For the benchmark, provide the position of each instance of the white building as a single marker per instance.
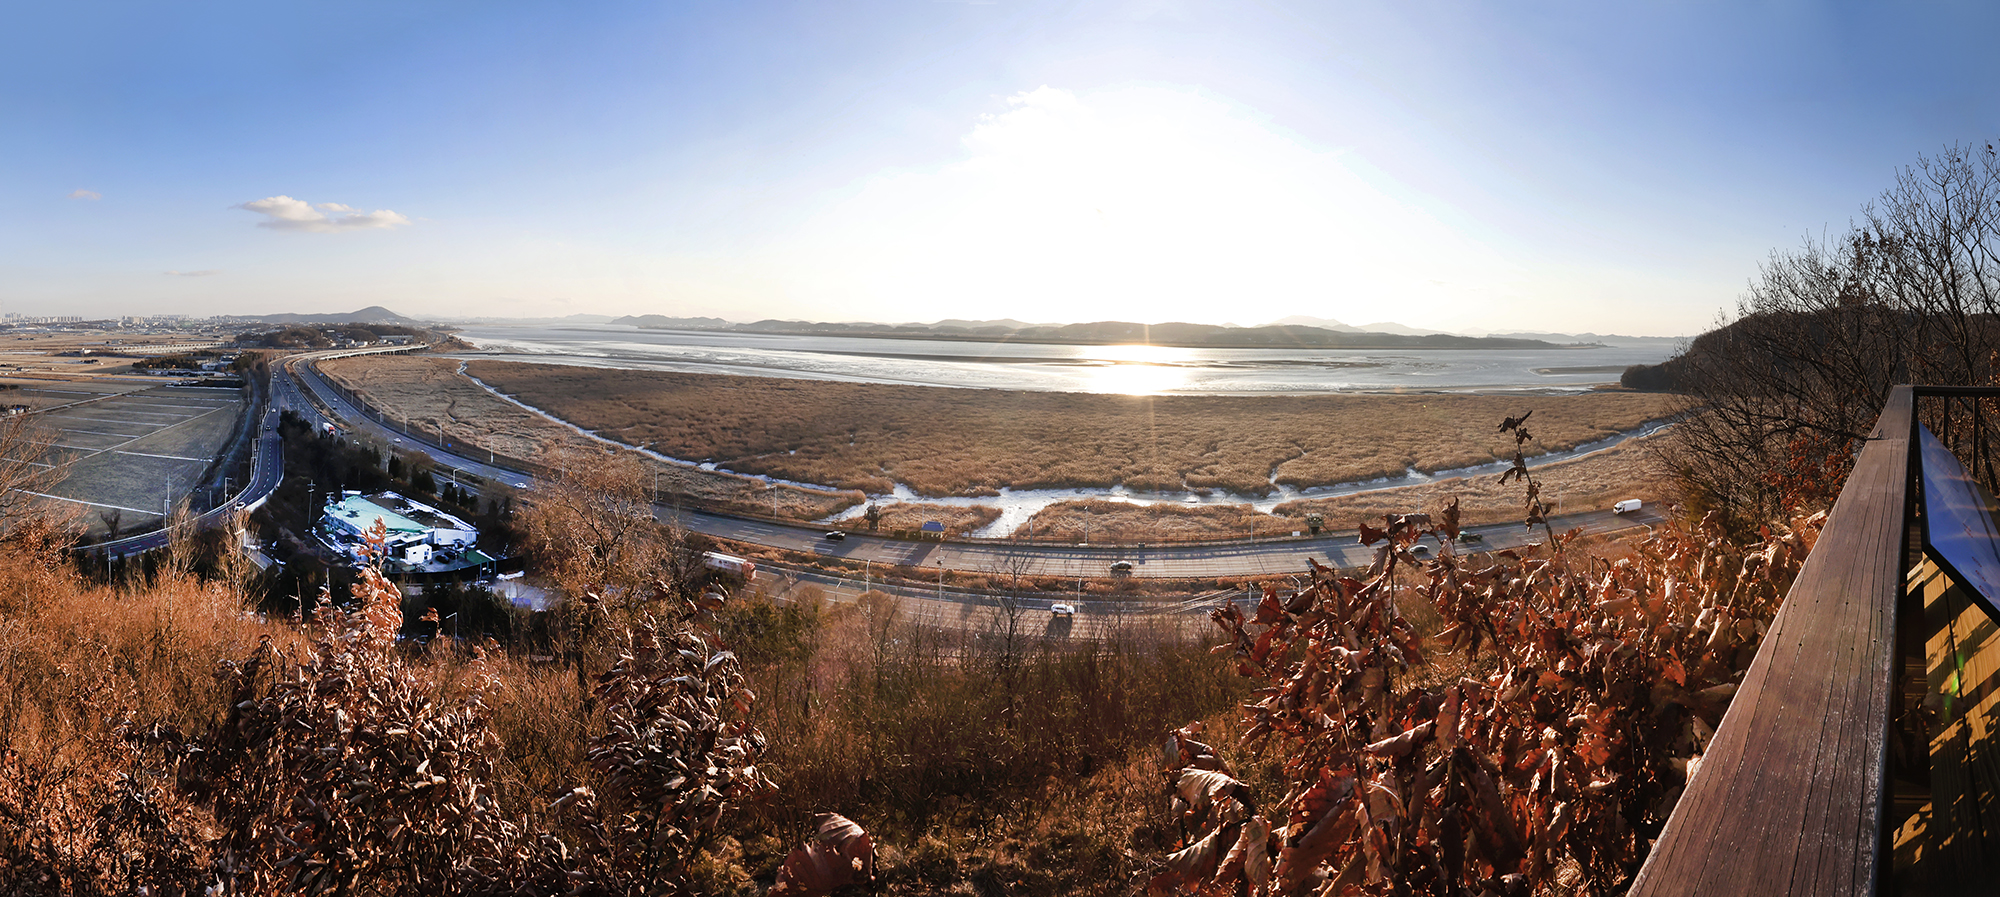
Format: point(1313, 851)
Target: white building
point(418, 536)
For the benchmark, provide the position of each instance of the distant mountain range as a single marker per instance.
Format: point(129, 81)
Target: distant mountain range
point(1173, 333)
point(1296, 330)
point(1378, 327)
point(373, 314)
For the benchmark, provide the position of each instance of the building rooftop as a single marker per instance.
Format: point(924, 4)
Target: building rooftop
point(362, 511)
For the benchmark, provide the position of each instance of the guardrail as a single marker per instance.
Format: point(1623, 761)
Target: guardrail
point(1795, 792)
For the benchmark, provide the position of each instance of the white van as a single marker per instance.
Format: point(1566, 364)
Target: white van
point(1630, 504)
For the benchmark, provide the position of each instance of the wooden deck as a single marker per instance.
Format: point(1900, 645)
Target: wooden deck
point(1790, 797)
point(1950, 842)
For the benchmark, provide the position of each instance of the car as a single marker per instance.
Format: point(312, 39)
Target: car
point(1121, 566)
point(1420, 548)
point(1470, 537)
point(398, 440)
point(835, 536)
point(1062, 610)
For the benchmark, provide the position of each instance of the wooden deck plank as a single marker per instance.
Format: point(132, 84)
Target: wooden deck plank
point(1788, 798)
point(1950, 849)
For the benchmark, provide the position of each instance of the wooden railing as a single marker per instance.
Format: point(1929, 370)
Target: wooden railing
point(1790, 797)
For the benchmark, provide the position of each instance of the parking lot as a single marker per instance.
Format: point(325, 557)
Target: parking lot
point(130, 456)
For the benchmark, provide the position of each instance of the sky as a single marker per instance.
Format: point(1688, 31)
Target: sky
point(1467, 166)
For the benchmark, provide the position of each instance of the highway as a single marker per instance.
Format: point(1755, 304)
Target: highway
point(1243, 558)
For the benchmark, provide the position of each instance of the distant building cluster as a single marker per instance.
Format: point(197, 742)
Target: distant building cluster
point(418, 538)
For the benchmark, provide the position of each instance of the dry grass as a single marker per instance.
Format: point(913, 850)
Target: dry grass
point(430, 393)
point(1117, 521)
point(1586, 484)
point(912, 516)
point(972, 442)
point(1592, 483)
point(82, 668)
point(978, 760)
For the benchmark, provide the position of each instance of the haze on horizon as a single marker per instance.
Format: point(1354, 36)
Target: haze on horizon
point(1563, 167)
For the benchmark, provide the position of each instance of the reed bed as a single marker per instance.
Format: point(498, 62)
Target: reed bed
point(898, 516)
point(1585, 484)
point(430, 393)
point(973, 442)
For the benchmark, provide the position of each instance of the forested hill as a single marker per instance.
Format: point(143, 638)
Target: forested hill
point(1111, 332)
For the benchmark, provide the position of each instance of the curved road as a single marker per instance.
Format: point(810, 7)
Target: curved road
point(1170, 560)
point(267, 470)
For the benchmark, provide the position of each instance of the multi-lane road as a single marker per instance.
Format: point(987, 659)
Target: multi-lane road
point(1200, 560)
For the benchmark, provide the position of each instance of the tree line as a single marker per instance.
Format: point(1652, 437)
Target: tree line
point(1779, 399)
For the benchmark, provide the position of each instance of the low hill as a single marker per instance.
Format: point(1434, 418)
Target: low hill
point(1171, 333)
point(373, 314)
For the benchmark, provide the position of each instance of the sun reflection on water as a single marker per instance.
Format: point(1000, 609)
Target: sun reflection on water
point(1135, 370)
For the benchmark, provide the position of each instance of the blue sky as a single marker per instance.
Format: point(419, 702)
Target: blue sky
point(1462, 166)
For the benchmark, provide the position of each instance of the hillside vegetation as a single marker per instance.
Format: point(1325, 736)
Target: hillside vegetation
point(158, 737)
point(650, 736)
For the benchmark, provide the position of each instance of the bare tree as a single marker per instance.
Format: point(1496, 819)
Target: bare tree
point(29, 468)
point(591, 526)
point(1780, 398)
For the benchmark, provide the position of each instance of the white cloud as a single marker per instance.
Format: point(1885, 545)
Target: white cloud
point(286, 213)
point(191, 273)
point(86, 194)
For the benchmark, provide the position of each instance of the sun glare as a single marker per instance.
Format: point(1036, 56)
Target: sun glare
point(1134, 370)
point(1139, 204)
point(1135, 379)
point(1138, 353)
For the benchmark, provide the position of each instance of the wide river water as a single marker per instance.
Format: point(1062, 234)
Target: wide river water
point(1137, 370)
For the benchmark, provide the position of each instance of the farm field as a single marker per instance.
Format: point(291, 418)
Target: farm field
point(942, 442)
point(128, 455)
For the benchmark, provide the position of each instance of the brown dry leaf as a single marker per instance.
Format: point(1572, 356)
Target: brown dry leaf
point(1401, 745)
point(1336, 827)
point(840, 853)
point(1190, 866)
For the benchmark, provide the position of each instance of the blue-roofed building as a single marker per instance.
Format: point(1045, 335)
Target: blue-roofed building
point(417, 537)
